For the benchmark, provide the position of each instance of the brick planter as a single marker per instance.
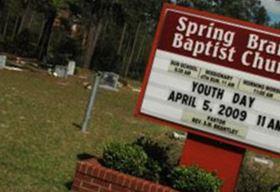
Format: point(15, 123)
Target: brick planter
point(92, 177)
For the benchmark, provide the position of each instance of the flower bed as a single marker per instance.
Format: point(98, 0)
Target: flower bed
point(91, 176)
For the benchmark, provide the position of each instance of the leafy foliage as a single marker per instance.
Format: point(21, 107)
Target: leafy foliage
point(248, 10)
point(276, 25)
point(130, 159)
point(158, 166)
point(148, 159)
point(255, 178)
point(63, 49)
point(276, 188)
point(108, 52)
point(20, 46)
point(153, 165)
point(22, 43)
point(194, 179)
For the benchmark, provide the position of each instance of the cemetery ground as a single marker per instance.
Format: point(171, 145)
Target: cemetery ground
point(40, 139)
point(39, 134)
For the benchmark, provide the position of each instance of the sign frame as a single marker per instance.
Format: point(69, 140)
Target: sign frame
point(190, 130)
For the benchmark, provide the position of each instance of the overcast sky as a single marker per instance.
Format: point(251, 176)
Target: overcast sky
point(273, 8)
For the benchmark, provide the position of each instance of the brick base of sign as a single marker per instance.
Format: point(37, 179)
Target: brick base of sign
point(92, 177)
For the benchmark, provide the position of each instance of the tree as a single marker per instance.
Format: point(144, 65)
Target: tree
point(146, 15)
point(26, 16)
point(276, 25)
point(50, 9)
point(94, 14)
point(50, 15)
point(248, 10)
point(12, 9)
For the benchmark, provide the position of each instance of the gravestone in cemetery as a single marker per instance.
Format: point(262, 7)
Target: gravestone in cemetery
point(109, 81)
point(3, 60)
point(61, 71)
point(71, 68)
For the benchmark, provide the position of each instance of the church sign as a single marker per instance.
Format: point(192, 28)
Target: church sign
point(215, 76)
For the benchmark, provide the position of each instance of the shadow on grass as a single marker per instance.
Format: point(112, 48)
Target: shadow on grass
point(78, 126)
point(68, 185)
point(80, 157)
point(85, 156)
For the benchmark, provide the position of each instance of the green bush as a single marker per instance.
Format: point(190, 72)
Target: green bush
point(157, 166)
point(149, 160)
point(153, 170)
point(276, 189)
point(255, 178)
point(194, 179)
point(144, 158)
point(127, 158)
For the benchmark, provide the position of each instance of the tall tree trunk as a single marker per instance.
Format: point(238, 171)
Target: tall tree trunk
point(133, 50)
point(41, 32)
point(93, 36)
point(15, 27)
point(140, 50)
point(30, 22)
point(26, 18)
point(85, 37)
point(122, 39)
point(125, 56)
point(6, 25)
point(104, 30)
point(44, 40)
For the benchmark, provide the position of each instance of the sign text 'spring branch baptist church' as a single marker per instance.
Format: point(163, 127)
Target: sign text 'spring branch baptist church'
point(215, 75)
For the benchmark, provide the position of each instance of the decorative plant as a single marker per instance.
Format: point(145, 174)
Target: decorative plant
point(127, 158)
point(194, 179)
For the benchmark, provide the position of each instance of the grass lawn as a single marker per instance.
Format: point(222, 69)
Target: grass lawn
point(39, 139)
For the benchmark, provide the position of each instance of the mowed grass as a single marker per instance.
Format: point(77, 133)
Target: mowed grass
point(39, 139)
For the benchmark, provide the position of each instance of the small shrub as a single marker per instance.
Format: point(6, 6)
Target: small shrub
point(127, 158)
point(255, 178)
point(194, 179)
point(157, 166)
point(153, 170)
point(147, 159)
point(153, 149)
point(276, 189)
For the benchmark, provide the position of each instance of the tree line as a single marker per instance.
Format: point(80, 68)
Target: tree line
point(108, 35)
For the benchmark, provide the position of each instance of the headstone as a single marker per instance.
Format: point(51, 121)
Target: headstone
point(71, 68)
point(60, 71)
point(3, 60)
point(109, 81)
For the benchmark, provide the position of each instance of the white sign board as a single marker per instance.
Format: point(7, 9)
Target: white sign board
point(214, 99)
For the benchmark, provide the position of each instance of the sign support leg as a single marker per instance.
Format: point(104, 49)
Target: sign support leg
point(91, 102)
point(223, 159)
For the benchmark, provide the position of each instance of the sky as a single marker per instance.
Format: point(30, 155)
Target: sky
point(273, 8)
